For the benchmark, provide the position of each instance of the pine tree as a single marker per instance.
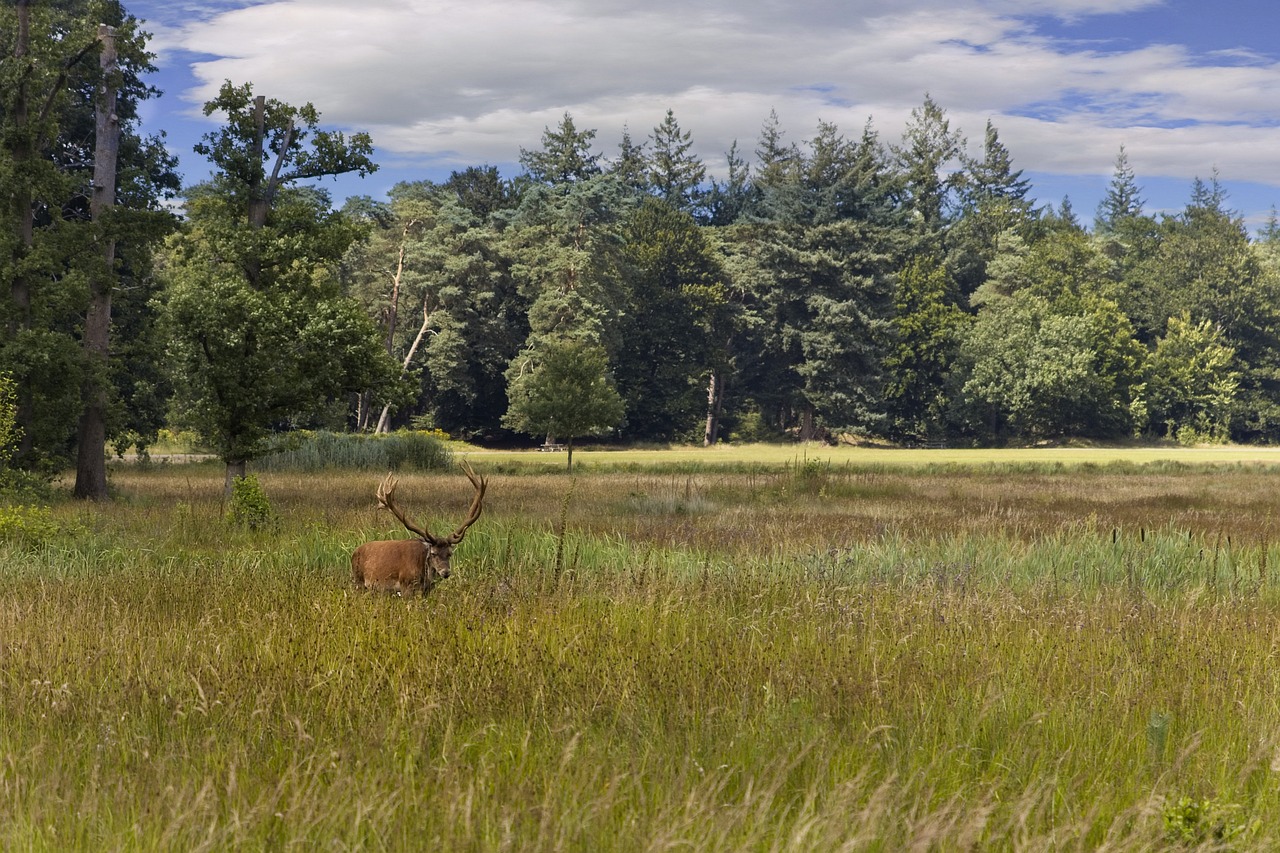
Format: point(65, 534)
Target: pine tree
point(675, 174)
point(728, 200)
point(565, 157)
point(1123, 200)
point(774, 159)
point(928, 150)
point(631, 167)
point(994, 201)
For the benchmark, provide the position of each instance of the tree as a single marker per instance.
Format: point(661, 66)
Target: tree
point(52, 239)
point(1050, 352)
point(925, 155)
point(928, 326)
point(1192, 382)
point(826, 251)
point(1031, 369)
point(565, 390)
point(993, 202)
point(675, 174)
point(1203, 264)
point(727, 201)
point(775, 159)
point(1123, 200)
point(261, 333)
point(565, 246)
point(565, 158)
point(675, 293)
point(91, 466)
point(481, 320)
point(383, 272)
point(631, 167)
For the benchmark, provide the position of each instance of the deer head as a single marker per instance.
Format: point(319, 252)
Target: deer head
point(411, 564)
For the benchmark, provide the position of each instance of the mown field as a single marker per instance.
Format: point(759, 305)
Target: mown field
point(664, 652)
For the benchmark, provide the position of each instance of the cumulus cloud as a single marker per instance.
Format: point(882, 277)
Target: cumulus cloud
point(452, 83)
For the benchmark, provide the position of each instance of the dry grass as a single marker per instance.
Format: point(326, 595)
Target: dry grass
point(798, 658)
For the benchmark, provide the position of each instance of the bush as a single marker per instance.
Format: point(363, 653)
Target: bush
point(318, 451)
point(1195, 823)
point(249, 505)
point(27, 525)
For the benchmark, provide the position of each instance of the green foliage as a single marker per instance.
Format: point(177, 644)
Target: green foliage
point(248, 358)
point(1035, 369)
point(1123, 202)
point(249, 505)
point(928, 149)
point(565, 157)
point(1192, 382)
point(405, 450)
point(253, 141)
point(676, 298)
point(50, 248)
point(261, 332)
point(9, 431)
point(928, 326)
point(450, 299)
point(1195, 823)
point(675, 174)
point(564, 390)
point(824, 286)
point(27, 526)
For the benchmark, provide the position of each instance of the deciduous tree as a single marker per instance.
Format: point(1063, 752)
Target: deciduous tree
point(261, 332)
point(564, 390)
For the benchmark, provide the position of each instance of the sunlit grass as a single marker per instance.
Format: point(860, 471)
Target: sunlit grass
point(806, 657)
point(772, 456)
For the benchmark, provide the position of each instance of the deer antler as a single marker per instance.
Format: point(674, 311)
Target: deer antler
point(477, 504)
point(386, 500)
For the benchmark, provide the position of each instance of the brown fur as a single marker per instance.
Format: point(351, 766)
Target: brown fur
point(400, 565)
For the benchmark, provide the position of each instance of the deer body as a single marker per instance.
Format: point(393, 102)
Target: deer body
point(399, 565)
point(411, 565)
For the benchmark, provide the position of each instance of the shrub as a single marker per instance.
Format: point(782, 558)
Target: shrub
point(1195, 823)
point(249, 505)
point(27, 525)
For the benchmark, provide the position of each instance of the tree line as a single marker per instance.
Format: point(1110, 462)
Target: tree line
point(907, 289)
point(910, 290)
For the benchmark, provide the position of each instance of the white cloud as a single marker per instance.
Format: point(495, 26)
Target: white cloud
point(454, 83)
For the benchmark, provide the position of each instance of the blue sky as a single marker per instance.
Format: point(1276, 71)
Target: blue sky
point(1186, 86)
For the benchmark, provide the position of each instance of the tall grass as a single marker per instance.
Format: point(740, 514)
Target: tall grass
point(320, 451)
point(603, 673)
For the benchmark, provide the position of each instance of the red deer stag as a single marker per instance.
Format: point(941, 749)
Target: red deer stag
point(408, 565)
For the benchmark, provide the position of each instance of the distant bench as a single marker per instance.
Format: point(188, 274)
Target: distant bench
point(932, 445)
point(550, 448)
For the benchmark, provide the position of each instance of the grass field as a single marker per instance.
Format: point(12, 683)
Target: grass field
point(779, 650)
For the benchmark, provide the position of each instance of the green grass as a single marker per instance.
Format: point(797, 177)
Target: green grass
point(772, 456)
point(795, 657)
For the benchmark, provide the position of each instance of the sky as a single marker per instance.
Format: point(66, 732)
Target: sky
point(1189, 88)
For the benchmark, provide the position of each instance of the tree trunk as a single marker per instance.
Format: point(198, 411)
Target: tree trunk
point(236, 470)
point(808, 430)
point(364, 410)
point(568, 446)
point(91, 465)
point(384, 420)
point(715, 403)
point(21, 198)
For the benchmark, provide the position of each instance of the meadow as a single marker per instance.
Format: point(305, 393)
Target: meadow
point(765, 650)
